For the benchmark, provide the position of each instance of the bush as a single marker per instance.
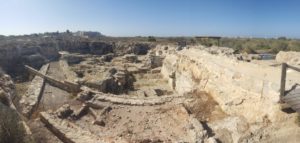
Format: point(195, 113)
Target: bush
point(271, 45)
point(249, 50)
point(151, 39)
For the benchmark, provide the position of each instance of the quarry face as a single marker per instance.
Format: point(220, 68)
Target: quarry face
point(87, 91)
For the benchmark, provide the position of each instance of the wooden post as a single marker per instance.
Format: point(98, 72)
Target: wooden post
point(283, 78)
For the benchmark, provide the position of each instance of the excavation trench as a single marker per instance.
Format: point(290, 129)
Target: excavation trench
point(163, 114)
point(133, 99)
point(50, 98)
point(164, 95)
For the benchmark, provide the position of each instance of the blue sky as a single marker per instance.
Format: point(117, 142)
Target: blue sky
point(251, 18)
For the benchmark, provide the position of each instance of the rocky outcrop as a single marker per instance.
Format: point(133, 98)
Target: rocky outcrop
point(36, 51)
point(86, 47)
point(239, 87)
point(100, 48)
point(7, 90)
point(12, 128)
point(292, 58)
point(14, 57)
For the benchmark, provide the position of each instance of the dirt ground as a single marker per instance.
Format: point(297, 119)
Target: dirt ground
point(139, 124)
point(160, 123)
point(170, 122)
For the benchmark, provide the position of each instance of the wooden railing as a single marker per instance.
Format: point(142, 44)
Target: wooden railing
point(283, 77)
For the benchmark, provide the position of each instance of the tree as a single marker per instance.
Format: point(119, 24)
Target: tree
point(68, 31)
point(279, 46)
point(282, 38)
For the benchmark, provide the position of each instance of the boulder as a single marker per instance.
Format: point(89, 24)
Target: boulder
point(292, 58)
point(230, 129)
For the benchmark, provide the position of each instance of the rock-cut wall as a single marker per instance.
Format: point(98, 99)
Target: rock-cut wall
point(12, 128)
point(240, 88)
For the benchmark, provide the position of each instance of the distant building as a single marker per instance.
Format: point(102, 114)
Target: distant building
point(87, 34)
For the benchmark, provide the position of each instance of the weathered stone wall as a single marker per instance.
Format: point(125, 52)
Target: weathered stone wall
point(70, 75)
point(62, 84)
point(240, 88)
point(30, 100)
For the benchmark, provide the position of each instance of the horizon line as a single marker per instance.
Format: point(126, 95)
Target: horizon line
point(159, 36)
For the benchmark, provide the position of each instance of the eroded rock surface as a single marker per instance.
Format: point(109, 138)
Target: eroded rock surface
point(292, 58)
point(12, 127)
point(240, 88)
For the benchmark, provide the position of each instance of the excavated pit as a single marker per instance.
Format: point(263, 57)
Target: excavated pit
point(127, 85)
point(163, 95)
